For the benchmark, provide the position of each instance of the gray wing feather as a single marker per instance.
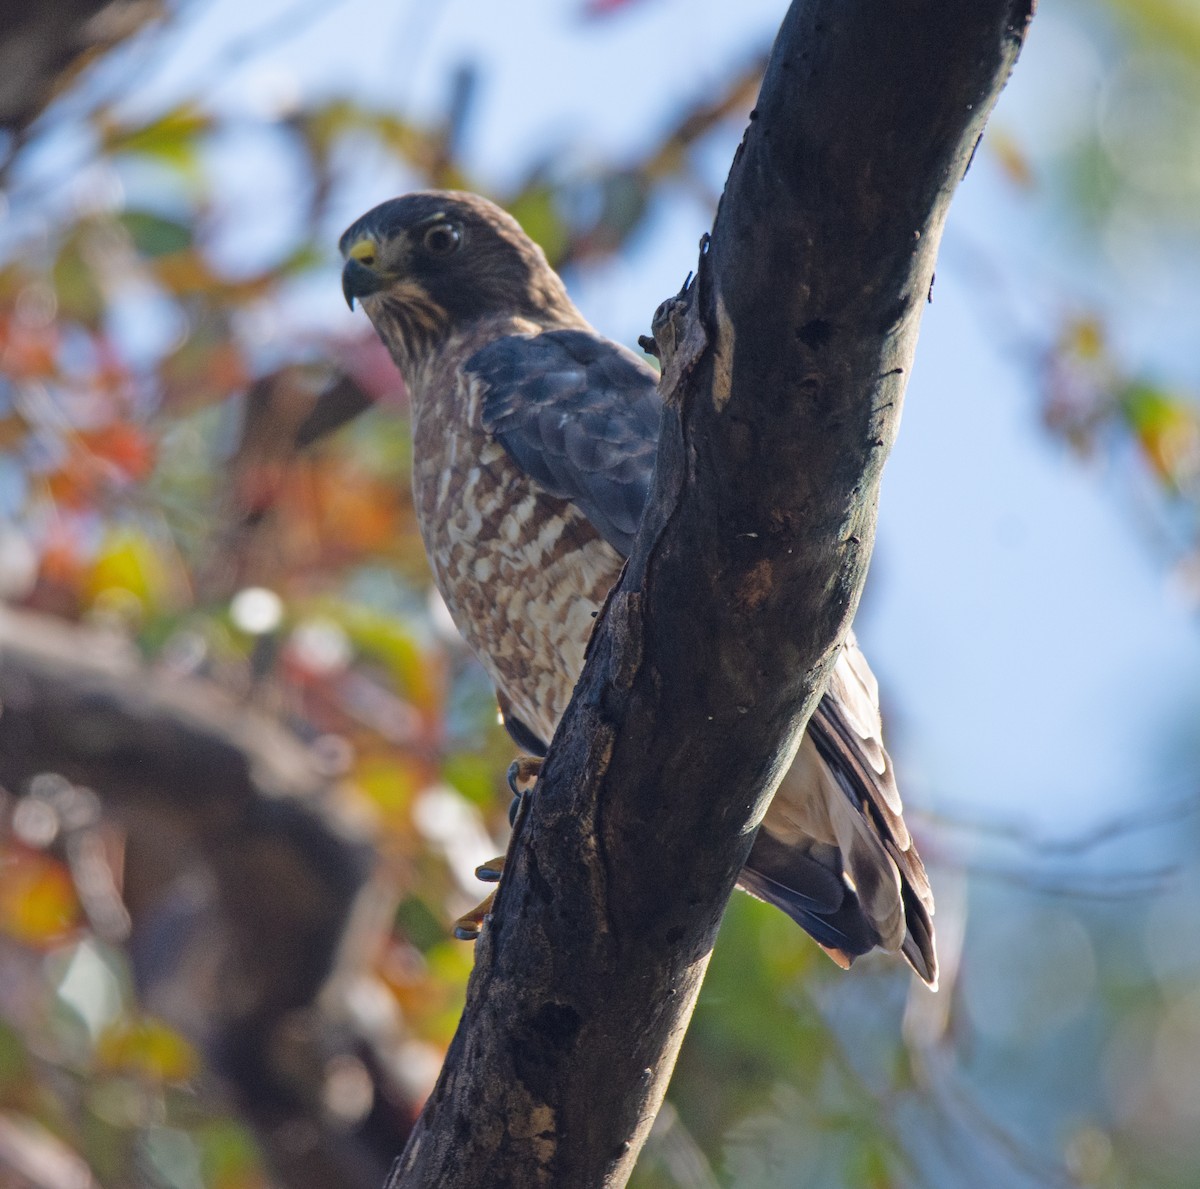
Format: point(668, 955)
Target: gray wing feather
point(580, 416)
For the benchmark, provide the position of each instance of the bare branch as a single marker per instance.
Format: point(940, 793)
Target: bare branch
point(786, 363)
point(42, 46)
point(242, 878)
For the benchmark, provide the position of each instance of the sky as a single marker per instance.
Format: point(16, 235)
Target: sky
point(1036, 664)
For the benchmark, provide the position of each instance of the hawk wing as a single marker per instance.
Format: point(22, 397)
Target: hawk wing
point(580, 416)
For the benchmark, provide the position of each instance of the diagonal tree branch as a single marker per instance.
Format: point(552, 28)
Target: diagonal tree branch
point(42, 46)
point(785, 366)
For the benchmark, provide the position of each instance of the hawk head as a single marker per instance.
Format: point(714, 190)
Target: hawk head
point(435, 261)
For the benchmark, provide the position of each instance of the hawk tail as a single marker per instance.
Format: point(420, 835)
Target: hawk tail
point(834, 852)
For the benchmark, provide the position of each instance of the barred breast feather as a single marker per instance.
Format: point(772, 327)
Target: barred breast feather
point(533, 464)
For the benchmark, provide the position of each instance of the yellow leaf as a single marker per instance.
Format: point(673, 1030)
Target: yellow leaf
point(418, 673)
point(390, 781)
point(75, 284)
point(128, 562)
point(1084, 337)
point(1168, 430)
point(148, 1048)
point(171, 139)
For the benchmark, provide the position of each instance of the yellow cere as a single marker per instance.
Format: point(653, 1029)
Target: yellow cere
point(363, 251)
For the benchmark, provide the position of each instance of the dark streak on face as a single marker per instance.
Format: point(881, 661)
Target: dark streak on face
point(468, 257)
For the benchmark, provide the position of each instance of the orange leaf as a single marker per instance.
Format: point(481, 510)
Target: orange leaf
point(359, 513)
point(124, 446)
point(61, 563)
point(13, 429)
point(38, 905)
point(185, 272)
point(1011, 159)
point(28, 354)
point(73, 487)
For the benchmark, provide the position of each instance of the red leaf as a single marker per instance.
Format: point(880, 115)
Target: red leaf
point(125, 447)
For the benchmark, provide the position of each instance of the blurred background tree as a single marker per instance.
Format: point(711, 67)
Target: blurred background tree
point(247, 765)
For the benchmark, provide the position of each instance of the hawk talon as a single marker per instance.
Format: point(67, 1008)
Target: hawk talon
point(491, 871)
point(470, 924)
point(523, 774)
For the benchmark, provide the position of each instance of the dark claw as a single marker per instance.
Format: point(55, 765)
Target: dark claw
point(491, 871)
point(512, 776)
point(469, 925)
point(523, 773)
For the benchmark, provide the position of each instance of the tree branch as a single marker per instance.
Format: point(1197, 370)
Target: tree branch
point(42, 46)
point(241, 876)
point(785, 362)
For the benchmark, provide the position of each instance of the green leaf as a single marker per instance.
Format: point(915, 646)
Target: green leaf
point(153, 235)
point(473, 775)
point(304, 259)
point(417, 922)
point(535, 210)
point(14, 1057)
point(172, 139)
point(229, 1154)
point(79, 296)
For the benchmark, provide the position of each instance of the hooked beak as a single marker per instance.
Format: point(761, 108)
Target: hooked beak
point(360, 281)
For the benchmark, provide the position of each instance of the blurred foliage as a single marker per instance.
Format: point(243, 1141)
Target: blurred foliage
point(1107, 412)
point(151, 484)
point(152, 386)
point(1124, 181)
point(86, 1076)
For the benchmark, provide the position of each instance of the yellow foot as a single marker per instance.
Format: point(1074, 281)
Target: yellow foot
point(523, 774)
point(469, 925)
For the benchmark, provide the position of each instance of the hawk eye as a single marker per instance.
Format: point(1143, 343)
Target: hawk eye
point(442, 239)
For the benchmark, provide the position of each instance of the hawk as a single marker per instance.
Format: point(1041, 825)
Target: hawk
point(534, 441)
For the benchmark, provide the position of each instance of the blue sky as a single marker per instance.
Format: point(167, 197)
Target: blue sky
point(1036, 663)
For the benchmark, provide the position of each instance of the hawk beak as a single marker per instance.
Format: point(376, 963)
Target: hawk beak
point(360, 281)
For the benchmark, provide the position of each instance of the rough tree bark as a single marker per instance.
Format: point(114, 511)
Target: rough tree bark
point(786, 361)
